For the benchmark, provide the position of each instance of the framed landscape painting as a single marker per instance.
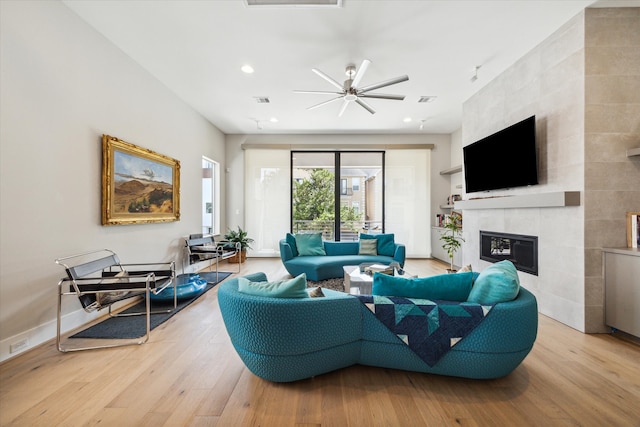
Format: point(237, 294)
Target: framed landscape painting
point(138, 185)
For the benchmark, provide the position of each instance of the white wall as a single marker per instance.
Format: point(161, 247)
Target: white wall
point(62, 86)
point(441, 159)
point(457, 182)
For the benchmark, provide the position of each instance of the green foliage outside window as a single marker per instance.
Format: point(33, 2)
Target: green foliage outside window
point(314, 200)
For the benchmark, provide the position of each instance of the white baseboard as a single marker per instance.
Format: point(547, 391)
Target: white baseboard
point(43, 333)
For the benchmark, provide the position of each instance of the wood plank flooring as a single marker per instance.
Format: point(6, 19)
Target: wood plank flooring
point(188, 374)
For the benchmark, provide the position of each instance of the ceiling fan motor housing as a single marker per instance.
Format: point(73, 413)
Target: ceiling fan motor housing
point(350, 71)
point(350, 93)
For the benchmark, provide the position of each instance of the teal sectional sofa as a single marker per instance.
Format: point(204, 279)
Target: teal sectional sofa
point(286, 339)
point(337, 255)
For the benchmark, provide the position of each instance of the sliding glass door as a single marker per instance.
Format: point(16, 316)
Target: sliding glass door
point(339, 204)
point(313, 189)
point(361, 204)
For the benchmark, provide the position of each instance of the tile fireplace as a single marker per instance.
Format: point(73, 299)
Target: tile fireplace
point(521, 250)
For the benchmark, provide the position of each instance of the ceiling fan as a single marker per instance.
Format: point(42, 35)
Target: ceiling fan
point(350, 92)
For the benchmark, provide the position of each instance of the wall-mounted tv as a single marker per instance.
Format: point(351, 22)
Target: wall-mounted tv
point(505, 159)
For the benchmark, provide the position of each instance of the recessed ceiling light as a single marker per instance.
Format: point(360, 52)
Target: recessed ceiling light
point(247, 69)
point(407, 119)
point(273, 120)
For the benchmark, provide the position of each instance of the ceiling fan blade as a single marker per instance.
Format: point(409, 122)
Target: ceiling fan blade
point(321, 92)
point(324, 103)
point(360, 73)
point(383, 84)
point(365, 106)
point(382, 96)
point(344, 107)
point(327, 78)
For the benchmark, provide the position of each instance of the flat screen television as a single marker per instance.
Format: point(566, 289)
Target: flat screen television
point(505, 159)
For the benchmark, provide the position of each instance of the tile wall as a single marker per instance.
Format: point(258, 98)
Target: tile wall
point(583, 85)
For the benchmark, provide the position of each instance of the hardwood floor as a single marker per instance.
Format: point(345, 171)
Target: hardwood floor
point(189, 375)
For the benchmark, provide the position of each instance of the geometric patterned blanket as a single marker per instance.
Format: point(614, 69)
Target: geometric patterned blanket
point(429, 328)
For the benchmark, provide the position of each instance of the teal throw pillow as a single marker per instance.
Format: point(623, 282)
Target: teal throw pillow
point(368, 247)
point(291, 240)
point(445, 287)
point(497, 283)
point(386, 243)
point(292, 288)
point(310, 244)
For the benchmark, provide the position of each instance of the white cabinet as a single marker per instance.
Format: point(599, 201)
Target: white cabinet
point(622, 289)
point(438, 252)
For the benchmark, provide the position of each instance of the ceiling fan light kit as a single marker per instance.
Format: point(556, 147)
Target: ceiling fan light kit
point(349, 91)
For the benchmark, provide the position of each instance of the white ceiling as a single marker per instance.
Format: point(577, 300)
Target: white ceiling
point(196, 48)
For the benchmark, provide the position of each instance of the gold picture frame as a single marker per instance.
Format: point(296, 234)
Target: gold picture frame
point(138, 185)
point(633, 220)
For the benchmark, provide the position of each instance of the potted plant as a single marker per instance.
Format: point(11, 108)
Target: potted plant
point(452, 236)
point(232, 238)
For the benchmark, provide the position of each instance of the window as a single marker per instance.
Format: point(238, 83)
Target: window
point(343, 187)
point(338, 213)
point(210, 196)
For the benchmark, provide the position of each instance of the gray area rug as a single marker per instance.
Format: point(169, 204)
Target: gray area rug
point(131, 327)
point(336, 284)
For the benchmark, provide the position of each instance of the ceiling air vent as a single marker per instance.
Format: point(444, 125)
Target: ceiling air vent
point(295, 3)
point(427, 98)
point(262, 99)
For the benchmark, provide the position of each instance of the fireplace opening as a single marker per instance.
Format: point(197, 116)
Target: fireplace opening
point(521, 250)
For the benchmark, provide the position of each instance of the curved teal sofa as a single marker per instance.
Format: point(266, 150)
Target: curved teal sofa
point(284, 339)
point(339, 254)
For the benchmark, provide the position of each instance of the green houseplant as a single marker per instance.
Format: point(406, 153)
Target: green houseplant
point(234, 237)
point(452, 236)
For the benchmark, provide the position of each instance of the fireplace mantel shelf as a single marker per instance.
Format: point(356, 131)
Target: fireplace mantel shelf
point(540, 200)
